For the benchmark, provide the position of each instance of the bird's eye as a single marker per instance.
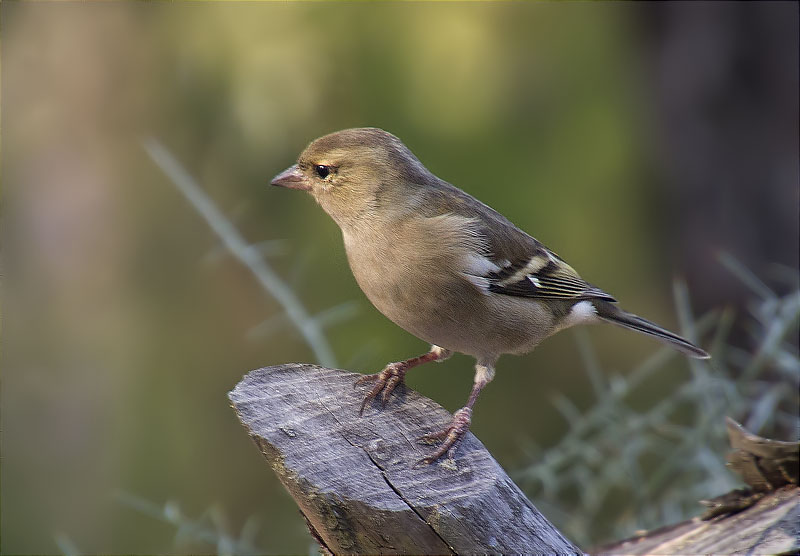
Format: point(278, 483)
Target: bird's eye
point(322, 170)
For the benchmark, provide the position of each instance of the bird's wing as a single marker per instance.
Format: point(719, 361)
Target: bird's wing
point(514, 262)
point(542, 275)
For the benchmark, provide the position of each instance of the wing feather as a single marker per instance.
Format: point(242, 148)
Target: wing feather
point(544, 275)
point(515, 263)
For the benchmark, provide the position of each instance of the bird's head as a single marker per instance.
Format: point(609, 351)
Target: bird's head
point(355, 173)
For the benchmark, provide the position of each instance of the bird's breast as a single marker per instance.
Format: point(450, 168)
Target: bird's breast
point(406, 276)
point(403, 281)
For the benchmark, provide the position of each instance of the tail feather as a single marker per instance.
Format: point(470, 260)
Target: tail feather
point(613, 314)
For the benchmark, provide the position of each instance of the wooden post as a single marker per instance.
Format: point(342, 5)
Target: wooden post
point(354, 478)
point(355, 482)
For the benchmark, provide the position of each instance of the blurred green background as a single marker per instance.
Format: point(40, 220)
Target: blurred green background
point(636, 140)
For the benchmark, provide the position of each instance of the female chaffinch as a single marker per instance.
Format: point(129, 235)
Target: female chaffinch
point(444, 266)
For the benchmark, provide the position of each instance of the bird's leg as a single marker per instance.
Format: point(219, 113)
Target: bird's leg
point(394, 373)
point(462, 419)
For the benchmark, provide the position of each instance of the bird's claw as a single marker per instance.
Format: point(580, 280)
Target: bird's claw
point(385, 382)
point(452, 435)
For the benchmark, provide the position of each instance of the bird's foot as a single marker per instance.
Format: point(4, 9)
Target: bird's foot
point(450, 436)
point(385, 382)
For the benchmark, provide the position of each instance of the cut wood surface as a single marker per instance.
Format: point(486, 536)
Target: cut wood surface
point(355, 481)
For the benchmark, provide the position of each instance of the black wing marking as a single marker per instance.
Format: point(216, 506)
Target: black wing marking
point(543, 276)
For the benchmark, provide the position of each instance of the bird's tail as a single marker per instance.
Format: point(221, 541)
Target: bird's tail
point(613, 314)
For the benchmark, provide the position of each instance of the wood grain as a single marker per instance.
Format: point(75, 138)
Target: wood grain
point(355, 481)
point(771, 526)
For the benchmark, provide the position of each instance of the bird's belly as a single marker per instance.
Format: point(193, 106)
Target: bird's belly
point(444, 308)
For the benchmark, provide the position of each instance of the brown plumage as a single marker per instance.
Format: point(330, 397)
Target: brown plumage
point(444, 266)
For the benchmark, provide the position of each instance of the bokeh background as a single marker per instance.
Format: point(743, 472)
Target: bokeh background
point(639, 141)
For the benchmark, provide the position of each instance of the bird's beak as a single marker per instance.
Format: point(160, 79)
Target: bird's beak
point(291, 178)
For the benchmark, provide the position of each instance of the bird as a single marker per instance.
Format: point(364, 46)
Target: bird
point(445, 267)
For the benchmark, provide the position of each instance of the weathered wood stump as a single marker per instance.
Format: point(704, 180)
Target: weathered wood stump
point(355, 481)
